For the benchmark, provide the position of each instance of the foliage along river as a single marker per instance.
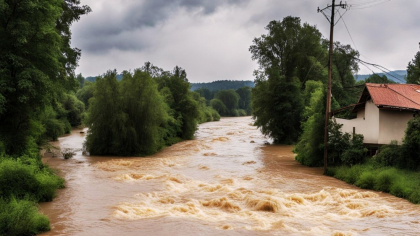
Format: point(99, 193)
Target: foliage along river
point(225, 182)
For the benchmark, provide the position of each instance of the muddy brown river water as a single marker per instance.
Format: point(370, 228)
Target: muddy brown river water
point(227, 181)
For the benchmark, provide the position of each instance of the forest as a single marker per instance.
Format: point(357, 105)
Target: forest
point(223, 85)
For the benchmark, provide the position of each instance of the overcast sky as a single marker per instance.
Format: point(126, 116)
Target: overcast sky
point(210, 38)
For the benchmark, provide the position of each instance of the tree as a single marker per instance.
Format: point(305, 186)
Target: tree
point(288, 47)
point(244, 99)
point(285, 55)
point(345, 65)
point(310, 148)
point(184, 108)
point(219, 106)
point(377, 79)
point(413, 70)
point(81, 80)
point(230, 98)
point(36, 63)
point(411, 146)
point(277, 104)
point(206, 93)
point(106, 116)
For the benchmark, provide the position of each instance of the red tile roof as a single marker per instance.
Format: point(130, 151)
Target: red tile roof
point(399, 96)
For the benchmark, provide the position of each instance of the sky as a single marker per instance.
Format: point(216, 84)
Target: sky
point(210, 39)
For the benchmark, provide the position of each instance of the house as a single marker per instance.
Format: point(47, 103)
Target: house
point(383, 111)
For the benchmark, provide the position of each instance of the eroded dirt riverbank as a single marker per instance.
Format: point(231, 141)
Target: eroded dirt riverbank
point(225, 182)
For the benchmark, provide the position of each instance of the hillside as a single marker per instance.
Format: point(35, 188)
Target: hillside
point(223, 85)
point(93, 78)
point(400, 74)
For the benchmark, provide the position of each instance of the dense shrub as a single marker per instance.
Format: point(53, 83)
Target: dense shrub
point(21, 217)
point(385, 179)
point(366, 180)
point(389, 155)
point(219, 106)
point(411, 146)
point(27, 180)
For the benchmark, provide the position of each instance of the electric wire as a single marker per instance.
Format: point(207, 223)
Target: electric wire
point(367, 4)
point(379, 67)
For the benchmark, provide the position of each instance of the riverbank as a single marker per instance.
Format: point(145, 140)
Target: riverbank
point(401, 183)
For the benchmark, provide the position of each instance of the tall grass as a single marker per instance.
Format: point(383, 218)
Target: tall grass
point(398, 182)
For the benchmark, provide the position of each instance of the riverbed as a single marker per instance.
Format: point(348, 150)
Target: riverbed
point(227, 181)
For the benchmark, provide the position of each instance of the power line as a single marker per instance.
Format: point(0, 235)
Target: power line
point(367, 4)
point(348, 30)
point(379, 67)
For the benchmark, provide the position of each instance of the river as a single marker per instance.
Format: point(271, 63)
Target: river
point(228, 181)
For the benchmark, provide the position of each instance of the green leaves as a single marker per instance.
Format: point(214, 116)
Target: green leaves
point(36, 62)
point(413, 70)
point(277, 104)
point(132, 117)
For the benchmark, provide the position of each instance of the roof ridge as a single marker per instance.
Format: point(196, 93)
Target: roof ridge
point(387, 86)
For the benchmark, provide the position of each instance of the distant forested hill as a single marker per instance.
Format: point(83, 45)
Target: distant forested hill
point(223, 85)
point(400, 74)
point(93, 78)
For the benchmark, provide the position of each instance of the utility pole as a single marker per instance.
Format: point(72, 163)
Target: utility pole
point(328, 106)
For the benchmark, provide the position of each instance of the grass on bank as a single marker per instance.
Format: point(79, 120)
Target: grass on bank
point(371, 175)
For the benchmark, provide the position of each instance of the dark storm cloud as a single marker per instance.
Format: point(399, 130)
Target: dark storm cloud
point(107, 30)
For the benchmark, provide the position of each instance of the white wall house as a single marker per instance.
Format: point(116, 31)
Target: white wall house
point(383, 111)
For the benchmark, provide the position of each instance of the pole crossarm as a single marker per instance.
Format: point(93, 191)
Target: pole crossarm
point(342, 5)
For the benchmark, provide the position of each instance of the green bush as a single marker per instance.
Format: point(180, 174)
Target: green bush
point(401, 188)
point(242, 112)
point(215, 115)
point(389, 155)
point(21, 217)
point(415, 196)
point(411, 146)
point(27, 181)
point(366, 180)
point(384, 180)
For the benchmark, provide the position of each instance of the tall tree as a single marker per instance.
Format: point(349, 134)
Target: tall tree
point(413, 70)
point(276, 105)
point(344, 67)
point(244, 99)
point(285, 55)
point(36, 60)
point(230, 98)
point(106, 116)
point(288, 47)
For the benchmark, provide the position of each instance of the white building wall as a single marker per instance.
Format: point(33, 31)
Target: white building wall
point(366, 123)
point(393, 125)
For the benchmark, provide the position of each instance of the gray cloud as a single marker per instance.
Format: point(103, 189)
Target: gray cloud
point(107, 29)
point(210, 38)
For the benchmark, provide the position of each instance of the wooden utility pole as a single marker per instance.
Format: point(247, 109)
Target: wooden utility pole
point(328, 106)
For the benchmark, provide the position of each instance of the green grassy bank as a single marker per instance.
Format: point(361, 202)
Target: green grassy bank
point(371, 175)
